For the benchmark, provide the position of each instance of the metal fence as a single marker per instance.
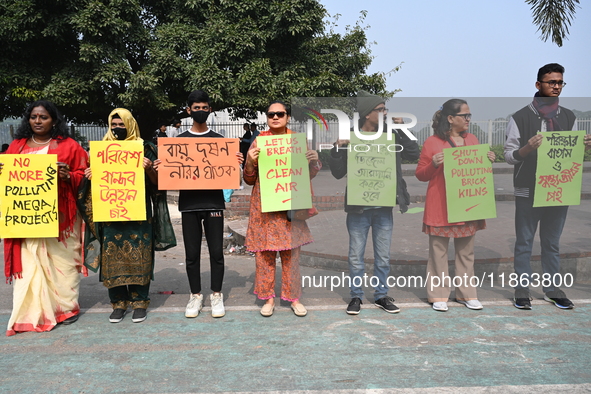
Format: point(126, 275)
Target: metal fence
point(6, 129)
point(487, 131)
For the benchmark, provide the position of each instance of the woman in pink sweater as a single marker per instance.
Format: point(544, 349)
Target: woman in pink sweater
point(450, 125)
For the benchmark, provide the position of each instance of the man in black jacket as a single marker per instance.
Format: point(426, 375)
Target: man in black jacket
point(523, 140)
point(380, 219)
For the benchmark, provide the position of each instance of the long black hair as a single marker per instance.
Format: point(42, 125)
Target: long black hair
point(60, 128)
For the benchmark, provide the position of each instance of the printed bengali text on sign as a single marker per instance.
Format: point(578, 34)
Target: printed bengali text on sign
point(198, 163)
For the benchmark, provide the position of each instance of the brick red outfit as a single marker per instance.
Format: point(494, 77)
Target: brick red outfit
point(271, 232)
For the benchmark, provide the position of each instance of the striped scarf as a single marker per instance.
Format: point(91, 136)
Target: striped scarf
point(548, 108)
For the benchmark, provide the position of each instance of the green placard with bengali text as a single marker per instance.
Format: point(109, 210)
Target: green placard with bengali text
point(559, 173)
point(284, 174)
point(469, 185)
point(371, 171)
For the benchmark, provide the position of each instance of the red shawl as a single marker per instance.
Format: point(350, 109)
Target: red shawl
point(70, 152)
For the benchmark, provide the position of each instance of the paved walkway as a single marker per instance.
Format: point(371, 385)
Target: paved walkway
point(498, 349)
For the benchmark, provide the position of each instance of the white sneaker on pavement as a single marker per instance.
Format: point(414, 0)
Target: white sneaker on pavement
point(440, 306)
point(217, 305)
point(194, 306)
point(471, 304)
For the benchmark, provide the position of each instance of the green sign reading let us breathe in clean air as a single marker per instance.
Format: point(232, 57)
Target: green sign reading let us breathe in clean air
point(284, 173)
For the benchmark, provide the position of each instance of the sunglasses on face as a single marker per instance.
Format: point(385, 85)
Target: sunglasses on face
point(279, 114)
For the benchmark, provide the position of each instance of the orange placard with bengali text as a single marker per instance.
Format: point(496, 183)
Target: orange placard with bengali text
point(198, 163)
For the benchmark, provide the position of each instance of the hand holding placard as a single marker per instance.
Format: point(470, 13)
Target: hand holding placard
point(469, 185)
point(283, 172)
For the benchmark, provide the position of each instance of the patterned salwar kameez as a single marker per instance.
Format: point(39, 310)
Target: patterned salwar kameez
point(271, 232)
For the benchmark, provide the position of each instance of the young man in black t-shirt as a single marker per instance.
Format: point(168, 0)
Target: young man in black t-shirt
point(207, 207)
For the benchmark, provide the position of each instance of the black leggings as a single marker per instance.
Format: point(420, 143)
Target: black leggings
point(213, 224)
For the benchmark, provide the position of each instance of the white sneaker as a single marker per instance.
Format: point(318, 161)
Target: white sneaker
point(217, 305)
point(440, 306)
point(471, 304)
point(194, 306)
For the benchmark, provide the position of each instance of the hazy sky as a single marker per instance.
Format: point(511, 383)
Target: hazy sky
point(467, 48)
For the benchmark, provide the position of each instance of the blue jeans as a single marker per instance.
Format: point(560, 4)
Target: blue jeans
point(551, 221)
point(358, 224)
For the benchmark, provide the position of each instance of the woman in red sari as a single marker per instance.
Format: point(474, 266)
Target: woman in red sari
point(271, 232)
point(45, 271)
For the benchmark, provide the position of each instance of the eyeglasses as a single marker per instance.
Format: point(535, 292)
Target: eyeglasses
point(465, 116)
point(381, 109)
point(279, 114)
point(560, 84)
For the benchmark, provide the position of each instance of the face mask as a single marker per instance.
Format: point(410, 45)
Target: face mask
point(119, 132)
point(200, 116)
